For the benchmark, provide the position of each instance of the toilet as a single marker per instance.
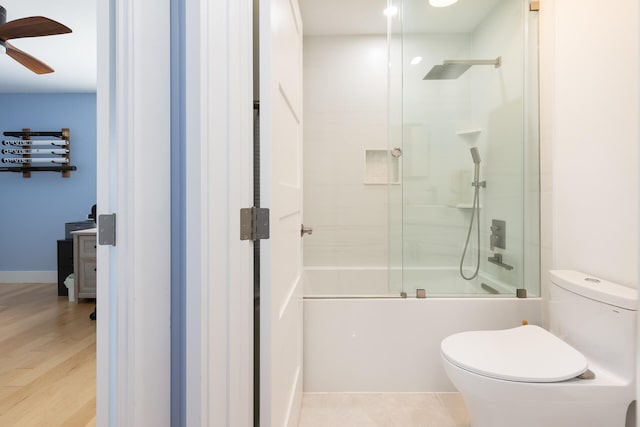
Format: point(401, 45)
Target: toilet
point(580, 373)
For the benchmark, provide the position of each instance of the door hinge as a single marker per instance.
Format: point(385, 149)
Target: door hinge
point(254, 224)
point(107, 229)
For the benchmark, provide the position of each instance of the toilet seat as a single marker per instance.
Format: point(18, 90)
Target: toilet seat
point(525, 354)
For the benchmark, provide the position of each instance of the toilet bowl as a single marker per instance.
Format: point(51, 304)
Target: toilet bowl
point(580, 373)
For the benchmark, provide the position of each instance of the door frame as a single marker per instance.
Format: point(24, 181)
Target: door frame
point(133, 181)
point(133, 104)
point(219, 266)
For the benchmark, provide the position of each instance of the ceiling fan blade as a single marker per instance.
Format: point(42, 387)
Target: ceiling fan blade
point(34, 26)
point(27, 60)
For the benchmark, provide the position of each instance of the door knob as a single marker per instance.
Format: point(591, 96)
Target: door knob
point(305, 230)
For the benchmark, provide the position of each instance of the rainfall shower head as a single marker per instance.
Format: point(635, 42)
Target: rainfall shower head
point(446, 72)
point(452, 69)
point(476, 155)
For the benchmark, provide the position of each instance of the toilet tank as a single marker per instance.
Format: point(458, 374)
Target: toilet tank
point(596, 317)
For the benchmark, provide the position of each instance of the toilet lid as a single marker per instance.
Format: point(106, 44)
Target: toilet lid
point(526, 353)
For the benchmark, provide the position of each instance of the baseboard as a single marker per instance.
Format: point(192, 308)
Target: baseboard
point(28, 277)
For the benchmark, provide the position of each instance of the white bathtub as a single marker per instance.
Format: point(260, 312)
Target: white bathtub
point(392, 344)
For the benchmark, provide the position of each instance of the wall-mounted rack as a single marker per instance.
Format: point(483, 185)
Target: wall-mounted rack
point(37, 155)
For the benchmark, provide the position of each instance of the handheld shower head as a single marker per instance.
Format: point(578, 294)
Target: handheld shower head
point(476, 155)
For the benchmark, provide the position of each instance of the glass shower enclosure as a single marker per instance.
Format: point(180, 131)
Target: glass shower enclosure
point(422, 177)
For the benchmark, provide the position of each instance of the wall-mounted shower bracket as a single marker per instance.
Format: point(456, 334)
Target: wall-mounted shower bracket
point(482, 184)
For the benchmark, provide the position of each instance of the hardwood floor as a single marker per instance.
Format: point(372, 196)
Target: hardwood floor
point(47, 358)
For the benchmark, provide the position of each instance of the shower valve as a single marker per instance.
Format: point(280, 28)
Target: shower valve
point(498, 237)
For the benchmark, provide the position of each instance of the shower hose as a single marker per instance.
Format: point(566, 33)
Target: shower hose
point(475, 210)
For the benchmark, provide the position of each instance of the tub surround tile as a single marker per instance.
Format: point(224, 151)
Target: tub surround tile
point(383, 410)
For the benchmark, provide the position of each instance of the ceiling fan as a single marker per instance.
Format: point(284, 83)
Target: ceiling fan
point(33, 26)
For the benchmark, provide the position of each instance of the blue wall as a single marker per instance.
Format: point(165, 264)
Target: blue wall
point(33, 210)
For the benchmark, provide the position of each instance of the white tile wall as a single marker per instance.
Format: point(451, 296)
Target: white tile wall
point(437, 164)
point(345, 108)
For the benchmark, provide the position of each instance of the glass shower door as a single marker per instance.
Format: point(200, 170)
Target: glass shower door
point(468, 161)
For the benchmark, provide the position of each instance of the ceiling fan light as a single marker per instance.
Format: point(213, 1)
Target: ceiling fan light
point(32, 26)
point(442, 3)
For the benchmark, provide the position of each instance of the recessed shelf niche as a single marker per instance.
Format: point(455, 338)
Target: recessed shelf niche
point(380, 167)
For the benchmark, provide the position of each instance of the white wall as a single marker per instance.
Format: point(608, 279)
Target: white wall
point(590, 103)
point(589, 138)
point(345, 110)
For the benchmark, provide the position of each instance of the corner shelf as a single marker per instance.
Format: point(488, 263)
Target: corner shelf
point(469, 132)
point(27, 152)
point(465, 206)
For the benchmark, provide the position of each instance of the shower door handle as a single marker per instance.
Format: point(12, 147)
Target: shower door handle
point(305, 230)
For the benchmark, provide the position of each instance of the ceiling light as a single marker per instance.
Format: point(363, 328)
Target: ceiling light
point(391, 11)
point(416, 60)
point(442, 3)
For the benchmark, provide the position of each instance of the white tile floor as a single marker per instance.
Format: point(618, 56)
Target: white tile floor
point(383, 410)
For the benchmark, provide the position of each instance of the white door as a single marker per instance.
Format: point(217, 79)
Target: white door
point(281, 175)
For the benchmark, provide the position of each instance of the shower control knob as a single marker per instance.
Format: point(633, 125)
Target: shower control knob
point(305, 230)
